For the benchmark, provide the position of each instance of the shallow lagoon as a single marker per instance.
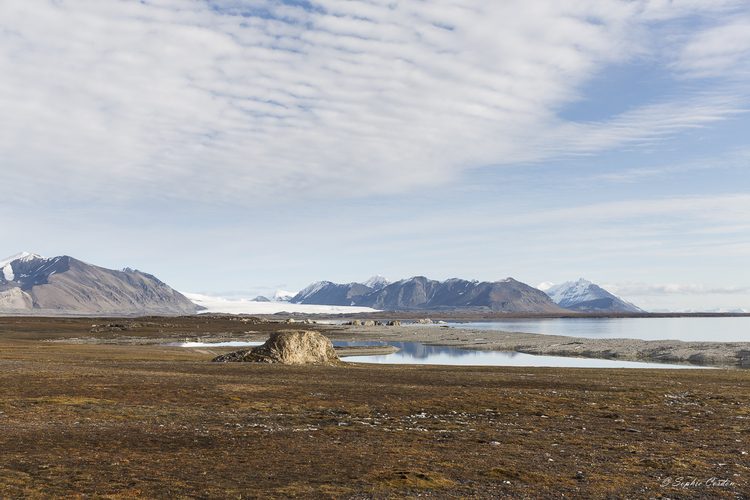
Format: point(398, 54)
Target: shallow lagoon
point(413, 353)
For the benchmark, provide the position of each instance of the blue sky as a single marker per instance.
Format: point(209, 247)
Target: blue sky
point(239, 147)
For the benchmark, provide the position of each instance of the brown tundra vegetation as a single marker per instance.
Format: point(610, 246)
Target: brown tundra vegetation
point(98, 409)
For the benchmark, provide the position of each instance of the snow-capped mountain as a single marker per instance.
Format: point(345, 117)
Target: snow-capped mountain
point(64, 285)
point(377, 282)
point(584, 296)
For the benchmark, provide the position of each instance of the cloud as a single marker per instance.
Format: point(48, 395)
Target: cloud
point(240, 101)
point(720, 51)
point(636, 289)
point(732, 160)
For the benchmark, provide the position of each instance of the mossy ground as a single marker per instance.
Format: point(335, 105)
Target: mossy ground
point(117, 422)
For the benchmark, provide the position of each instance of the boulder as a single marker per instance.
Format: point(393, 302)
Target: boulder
point(288, 347)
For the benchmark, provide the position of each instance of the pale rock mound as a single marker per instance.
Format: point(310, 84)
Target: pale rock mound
point(288, 347)
point(15, 298)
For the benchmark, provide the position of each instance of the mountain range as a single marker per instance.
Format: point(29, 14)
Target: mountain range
point(508, 295)
point(30, 283)
point(420, 293)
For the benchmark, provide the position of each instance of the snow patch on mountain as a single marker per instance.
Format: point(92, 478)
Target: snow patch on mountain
point(377, 282)
point(570, 292)
point(8, 272)
point(282, 296)
point(23, 257)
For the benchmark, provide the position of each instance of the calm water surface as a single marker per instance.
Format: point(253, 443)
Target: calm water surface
point(729, 329)
point(412, 353)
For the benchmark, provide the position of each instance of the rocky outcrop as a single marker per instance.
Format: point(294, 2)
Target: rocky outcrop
point(15, 298)
point(288, 347)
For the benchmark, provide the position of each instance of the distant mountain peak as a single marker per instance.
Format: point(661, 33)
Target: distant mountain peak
point(377, 282)
point(64, 285)
point(585, 296)
point(23, 256)
point(312, 288)
point(545, 286)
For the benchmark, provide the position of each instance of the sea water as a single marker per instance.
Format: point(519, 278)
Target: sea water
point(688, 329)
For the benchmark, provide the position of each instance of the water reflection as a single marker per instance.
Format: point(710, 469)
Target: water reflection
point(417, 354)
point(231, 343)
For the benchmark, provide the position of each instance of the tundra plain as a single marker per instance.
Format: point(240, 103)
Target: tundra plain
point(107, 412)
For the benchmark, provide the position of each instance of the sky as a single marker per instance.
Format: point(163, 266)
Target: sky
point(233, 148)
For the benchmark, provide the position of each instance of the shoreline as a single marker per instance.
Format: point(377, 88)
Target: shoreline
point(715, 354)
point(735, 355)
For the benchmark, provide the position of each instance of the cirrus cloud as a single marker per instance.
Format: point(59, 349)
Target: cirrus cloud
point(234, 101)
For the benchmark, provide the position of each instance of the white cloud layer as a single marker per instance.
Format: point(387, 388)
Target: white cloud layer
point(637, 289)
point(229, 100)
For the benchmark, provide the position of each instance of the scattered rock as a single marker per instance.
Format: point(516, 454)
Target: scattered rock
point(288, 347)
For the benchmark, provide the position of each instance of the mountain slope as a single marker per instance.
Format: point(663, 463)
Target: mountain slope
point(330, 294)
point(584, 296)
point(419, 292)
point(64, 285)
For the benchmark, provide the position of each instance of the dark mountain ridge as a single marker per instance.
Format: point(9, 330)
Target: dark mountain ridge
point(64, 285)
point(420, 293)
